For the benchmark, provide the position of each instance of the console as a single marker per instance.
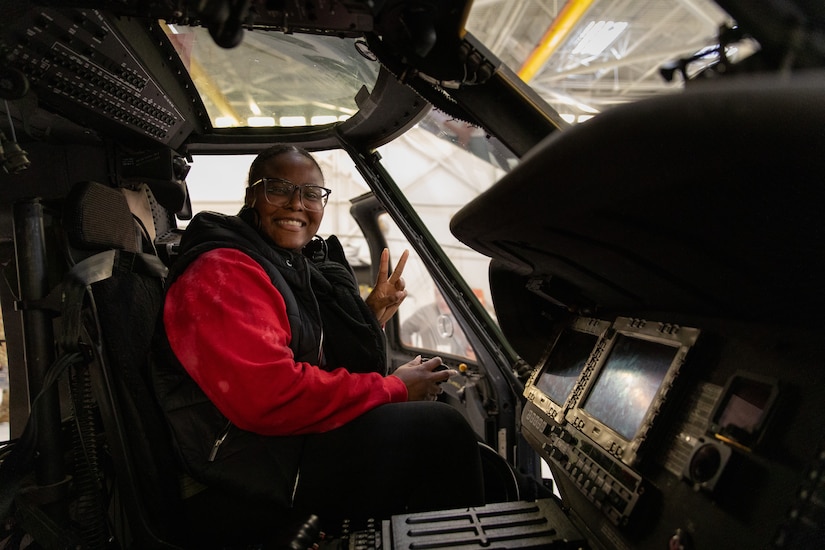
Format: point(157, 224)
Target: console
point(595, 399)
point(623, 388)
point(551, 385)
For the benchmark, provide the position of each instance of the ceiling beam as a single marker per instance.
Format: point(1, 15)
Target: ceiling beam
point(559, 30)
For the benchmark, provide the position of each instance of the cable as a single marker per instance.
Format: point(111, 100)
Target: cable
point(14, 158)
point(11, 122)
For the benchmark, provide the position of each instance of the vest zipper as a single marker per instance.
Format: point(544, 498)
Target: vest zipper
point(321, 348)
point(308, 282)
point(295, 487)
point(218, 442)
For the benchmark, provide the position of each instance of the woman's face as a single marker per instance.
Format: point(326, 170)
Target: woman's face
point(290, 225)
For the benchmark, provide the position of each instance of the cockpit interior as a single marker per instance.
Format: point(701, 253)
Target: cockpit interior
point(624, 262)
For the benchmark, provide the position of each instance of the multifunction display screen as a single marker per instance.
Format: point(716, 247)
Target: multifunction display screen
point(628, 382)
point(565, 363)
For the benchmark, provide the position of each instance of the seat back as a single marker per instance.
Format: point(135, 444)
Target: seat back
point(157, 504)
point(114, 327)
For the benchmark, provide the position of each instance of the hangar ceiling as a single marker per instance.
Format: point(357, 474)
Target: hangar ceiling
point(545, 42)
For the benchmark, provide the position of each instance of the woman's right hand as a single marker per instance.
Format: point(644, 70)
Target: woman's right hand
point(421, 378)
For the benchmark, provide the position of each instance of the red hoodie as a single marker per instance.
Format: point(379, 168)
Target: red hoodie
point(227, 324)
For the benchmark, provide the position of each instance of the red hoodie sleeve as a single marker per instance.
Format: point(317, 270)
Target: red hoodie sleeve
point(227, 324)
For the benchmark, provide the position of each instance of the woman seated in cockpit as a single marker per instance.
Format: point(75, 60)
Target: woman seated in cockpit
point(273, 371)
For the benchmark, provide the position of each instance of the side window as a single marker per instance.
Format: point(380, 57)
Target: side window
point(433, 327)
point(425, 320)
point(441, 165)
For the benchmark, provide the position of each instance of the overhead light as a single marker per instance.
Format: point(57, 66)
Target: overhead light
point(323, 119)
point(254, 107)
point(225, 122)
point(597, 36)
point(569, 118)
point(260, 121)
point(293, 121)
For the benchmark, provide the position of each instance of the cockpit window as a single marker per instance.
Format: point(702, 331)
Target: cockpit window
point(441, 165)
point(273, 78)
point(586, 57)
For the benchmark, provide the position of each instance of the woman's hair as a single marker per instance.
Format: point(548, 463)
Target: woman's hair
point(279, 149)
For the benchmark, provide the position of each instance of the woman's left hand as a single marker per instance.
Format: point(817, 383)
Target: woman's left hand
point(388, 292)
point(423, 378)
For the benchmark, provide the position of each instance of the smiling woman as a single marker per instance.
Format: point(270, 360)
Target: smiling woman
point(286, 217)
point(311, 375)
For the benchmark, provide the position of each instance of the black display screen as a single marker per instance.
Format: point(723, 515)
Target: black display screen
point(744, 408)
point(628, 383)
point(564, 364)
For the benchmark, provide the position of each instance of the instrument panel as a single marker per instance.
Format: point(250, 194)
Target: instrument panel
point(81, 65)
point(651, 427)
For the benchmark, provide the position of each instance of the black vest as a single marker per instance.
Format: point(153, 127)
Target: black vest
point(323, 306)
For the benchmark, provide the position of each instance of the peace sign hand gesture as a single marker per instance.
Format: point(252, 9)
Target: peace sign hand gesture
point(388, 292)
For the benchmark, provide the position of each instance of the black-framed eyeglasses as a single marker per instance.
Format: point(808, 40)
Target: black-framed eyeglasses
point(278, 192)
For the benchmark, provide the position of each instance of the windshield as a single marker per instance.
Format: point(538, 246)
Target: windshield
point(274, 78)
point(580, 57)
point(588, 56)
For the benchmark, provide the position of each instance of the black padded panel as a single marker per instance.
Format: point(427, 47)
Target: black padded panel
point(148, 462)
point(97, 217)
point(705, 202)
